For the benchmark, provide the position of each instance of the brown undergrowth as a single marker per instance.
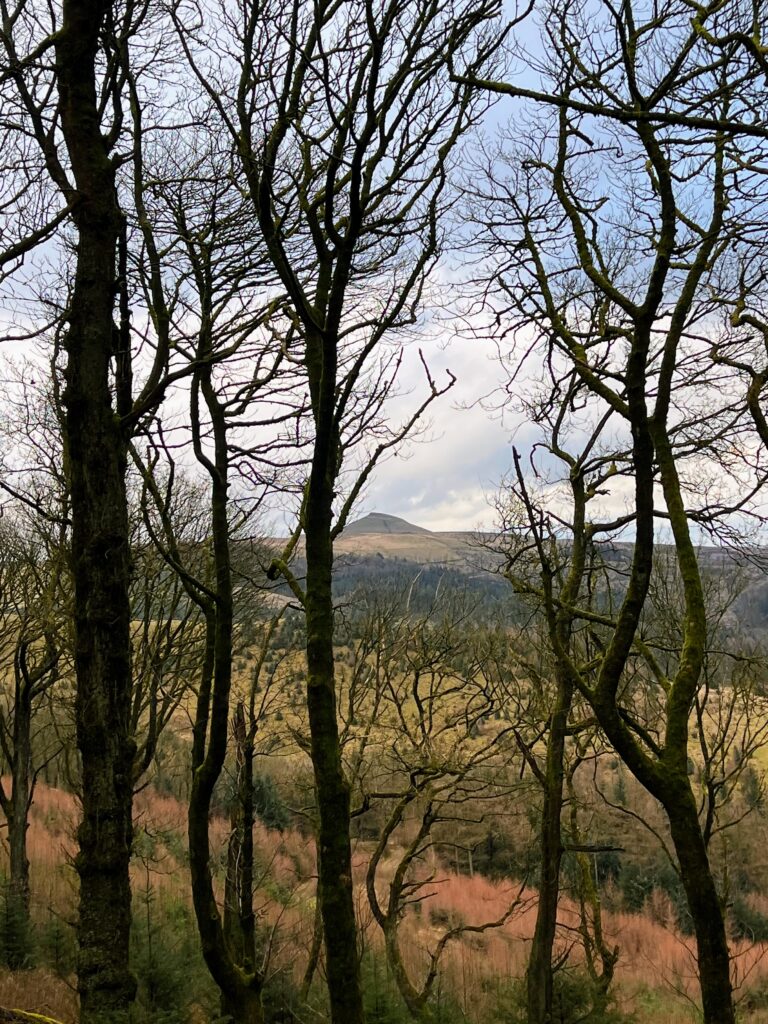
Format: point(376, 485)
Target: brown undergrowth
point(655, 958)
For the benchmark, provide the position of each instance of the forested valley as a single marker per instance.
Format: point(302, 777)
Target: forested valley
point(264, 758)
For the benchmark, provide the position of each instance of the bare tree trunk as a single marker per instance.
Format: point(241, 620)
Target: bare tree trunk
point(239, 919)
point(539, 975)
point(240, 984)
point(315, 949)
point(17, 816)
point(334, 857)
point(96, 464)
point(704, 905)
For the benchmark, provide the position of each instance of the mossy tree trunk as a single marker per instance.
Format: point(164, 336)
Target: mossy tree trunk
point(632, 358)
point(16, 809)
point(539, 973)
point(347, 184)
point(96, 449)
point(334, 853)
point(30, 681)
point(231, 966)
point(239, 918)
point(704, 903)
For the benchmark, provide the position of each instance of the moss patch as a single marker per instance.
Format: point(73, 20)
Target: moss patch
point(22, 1017)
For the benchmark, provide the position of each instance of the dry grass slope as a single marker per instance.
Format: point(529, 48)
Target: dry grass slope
point(656, 964)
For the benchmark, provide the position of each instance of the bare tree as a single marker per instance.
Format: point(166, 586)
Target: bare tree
point(210, 588)
point(343, 122)
point(617, 277)
point(66, 78)
point(167, 640)
point(33, 592)
point(438, 761)
point(242, 426)
point(253, 715)
point(552, 560)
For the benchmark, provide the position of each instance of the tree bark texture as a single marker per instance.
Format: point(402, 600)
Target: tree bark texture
point(239, 918)
point(96, 462)
point(335, 891)
point(238, 981)
point(704, 905)
point(17, 816)
point(539, 977)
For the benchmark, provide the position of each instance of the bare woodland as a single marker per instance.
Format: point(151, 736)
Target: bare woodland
point(229, 234)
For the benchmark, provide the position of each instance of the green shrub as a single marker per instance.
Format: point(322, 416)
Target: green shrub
point(269, 804)
point(16, 938)
point(748, 923)
point(383, 1004)
point(574, 1002)
point(57, 945)
point(280, 999)
point(166, 958)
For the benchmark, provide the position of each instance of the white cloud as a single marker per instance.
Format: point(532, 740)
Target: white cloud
point(443, 481)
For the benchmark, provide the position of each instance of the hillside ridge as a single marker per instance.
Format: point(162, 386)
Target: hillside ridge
point(382, 522)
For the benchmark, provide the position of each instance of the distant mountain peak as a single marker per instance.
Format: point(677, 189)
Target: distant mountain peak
point(380, 522)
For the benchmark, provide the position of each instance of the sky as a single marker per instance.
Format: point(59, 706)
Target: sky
point(443, 481)
point(447, 479)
